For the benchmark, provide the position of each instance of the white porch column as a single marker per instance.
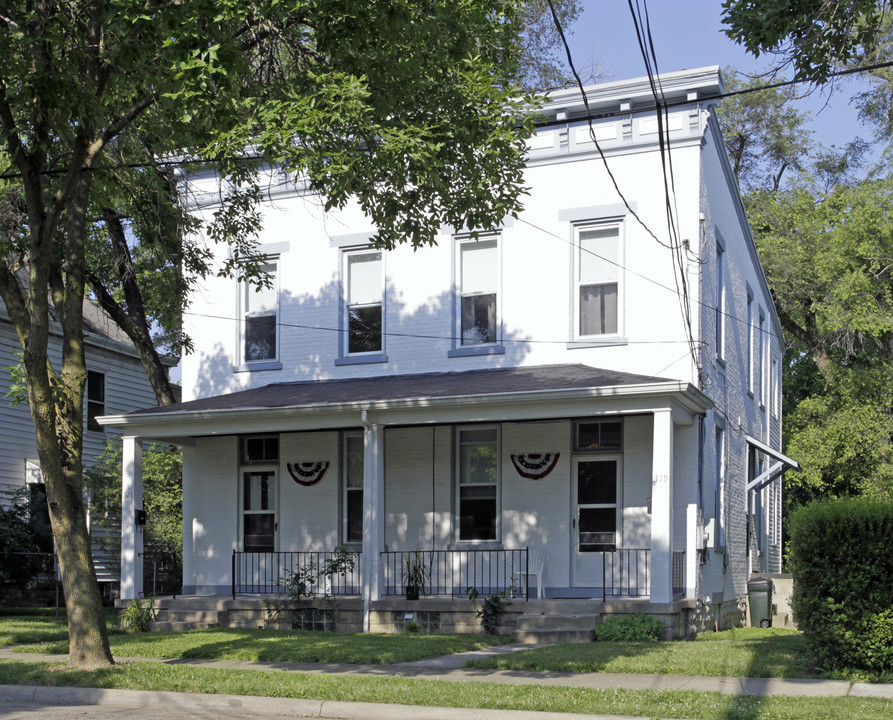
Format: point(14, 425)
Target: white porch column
point(373, 516)
point(131, 533)
point(693, 534)
point(662, 508)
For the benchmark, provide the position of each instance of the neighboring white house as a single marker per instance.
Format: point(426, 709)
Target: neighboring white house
point(116, 383)
point(568, 384)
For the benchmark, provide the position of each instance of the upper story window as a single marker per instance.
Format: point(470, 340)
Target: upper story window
point(750, 333)
point(598, 280)
point(720, 304)
point(260, 310)
point(478, 282)
point(761, 356)
point(364, 301)
point(95, 399)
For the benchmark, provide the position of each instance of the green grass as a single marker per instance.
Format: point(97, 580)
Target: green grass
point(286, 646)
point(743, 652)
point(408, 691)
point(40, 625)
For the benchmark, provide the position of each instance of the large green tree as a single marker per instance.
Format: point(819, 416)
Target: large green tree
point(407, 107)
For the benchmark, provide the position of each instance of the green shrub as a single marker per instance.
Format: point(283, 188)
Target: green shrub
point(628, 628)
point(843, 583)
point(138, 615)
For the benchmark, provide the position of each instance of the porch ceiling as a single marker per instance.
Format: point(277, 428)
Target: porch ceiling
point(536, 392)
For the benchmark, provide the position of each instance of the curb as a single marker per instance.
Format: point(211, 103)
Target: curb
point(288, 707)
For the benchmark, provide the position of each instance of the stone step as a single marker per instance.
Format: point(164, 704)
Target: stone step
point(563, 621)
point(584, 606)
point(553, 635)
point(178, 626)
point(201, 616)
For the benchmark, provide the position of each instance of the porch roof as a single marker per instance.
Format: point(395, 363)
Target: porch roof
point(422, 397)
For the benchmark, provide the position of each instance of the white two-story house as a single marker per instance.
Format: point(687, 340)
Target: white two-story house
point(580, 405)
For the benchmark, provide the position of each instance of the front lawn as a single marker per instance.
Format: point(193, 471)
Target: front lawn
point(286, 645)
point(742, 652)
point(408, 691)
point(40, 626)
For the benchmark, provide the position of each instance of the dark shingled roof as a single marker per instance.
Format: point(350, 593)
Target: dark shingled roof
point(410, 387)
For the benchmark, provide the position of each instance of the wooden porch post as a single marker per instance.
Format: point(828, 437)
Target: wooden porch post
point(662, 508)
point(373, 516)
point(131, 532)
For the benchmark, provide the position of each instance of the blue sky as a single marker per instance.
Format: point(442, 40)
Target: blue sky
point(688, 34)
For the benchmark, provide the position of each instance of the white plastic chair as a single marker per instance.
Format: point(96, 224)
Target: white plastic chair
point(536, 564)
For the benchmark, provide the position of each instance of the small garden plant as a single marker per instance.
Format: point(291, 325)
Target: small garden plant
point(138, 615)
point(628, 628)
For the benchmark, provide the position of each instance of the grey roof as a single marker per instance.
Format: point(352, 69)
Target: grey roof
point(410, 387)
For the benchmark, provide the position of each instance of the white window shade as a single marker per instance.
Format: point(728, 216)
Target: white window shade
point(364, 278)
point(478, 266)
point(264, 299)
point(599, 255)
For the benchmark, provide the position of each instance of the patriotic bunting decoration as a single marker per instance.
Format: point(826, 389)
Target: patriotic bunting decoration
point(535, 466)
point(308, 473)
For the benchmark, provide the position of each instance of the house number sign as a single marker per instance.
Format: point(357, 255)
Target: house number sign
point(308, 473)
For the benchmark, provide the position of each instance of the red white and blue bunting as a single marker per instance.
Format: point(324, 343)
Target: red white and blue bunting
point(308, 473)
point(535, 466)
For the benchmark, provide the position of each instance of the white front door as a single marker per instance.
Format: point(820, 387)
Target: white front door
point(596, 497)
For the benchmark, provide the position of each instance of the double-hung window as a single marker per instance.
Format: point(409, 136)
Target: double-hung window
point(95, 399)
point(478, 480)
point(720, 304)
point(364, 302)
point(260, 306)
point(750, 333)
point(598, 282)
point(259, 459)
point(478, 282)
point(353, 488)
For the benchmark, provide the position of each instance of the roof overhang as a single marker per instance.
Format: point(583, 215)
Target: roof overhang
point(683, 399)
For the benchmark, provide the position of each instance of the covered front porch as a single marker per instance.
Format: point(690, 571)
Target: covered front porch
point(557, 483)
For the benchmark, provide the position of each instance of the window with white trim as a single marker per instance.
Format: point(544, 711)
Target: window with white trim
point(761, 356)
point(352, 488)
point(720, 304)
point(259, 457)
point(750, 331)
point(774, 386)
point(95, 399)
point(478, 483)
point(598, 282)
point(363, 302)
point(719, 530)
point(260, 317)
point(478, 295)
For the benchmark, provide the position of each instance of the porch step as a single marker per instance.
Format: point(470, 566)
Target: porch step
point(547, 637)
point(554, 627)
point(170, 620)
point(178, 626)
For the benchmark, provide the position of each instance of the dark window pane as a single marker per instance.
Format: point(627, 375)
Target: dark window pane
point(260, 449)
point(95, 386)
point(597, 483)
point(354, 516)
point(598, 309)
point(259, 532)
point(598, 529)
point(39, 518)
point(260, 337)
point(95, 410)
point(364, 329)
point(478, 319)
point(600, 436)
point(477, 518)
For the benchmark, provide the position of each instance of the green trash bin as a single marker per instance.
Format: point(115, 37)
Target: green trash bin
point(759, 597)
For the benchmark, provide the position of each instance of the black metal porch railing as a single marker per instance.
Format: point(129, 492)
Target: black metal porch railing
point(626, 573)
point(452, 573)
point(678, 573)
point(274, 573)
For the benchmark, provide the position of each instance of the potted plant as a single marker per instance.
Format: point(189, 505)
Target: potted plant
point(414, 574)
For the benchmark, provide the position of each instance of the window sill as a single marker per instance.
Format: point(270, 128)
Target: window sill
point(362, 359)
point(721, 362)
point(719, 548)
point(473, 350)
point(257, 366)
point(597, 342)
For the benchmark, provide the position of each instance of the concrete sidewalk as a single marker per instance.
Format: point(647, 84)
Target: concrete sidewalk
point(449, 668)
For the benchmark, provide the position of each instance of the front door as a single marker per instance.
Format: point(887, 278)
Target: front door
point(596, 513)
